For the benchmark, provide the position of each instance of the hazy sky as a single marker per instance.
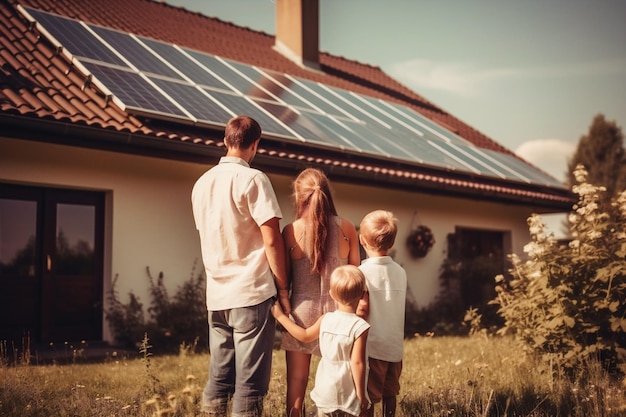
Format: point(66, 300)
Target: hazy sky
point(529, 74)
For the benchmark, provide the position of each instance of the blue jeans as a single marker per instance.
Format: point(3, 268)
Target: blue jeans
point(240, 342)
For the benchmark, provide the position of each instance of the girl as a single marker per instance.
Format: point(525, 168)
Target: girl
point(340, 382)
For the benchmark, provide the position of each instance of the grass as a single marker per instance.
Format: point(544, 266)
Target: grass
point(443, 376)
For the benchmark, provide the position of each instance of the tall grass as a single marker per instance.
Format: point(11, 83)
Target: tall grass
point(446, 376)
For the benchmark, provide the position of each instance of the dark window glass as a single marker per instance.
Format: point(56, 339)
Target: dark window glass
point(18, 228)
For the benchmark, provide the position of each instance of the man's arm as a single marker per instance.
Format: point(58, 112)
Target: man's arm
point(275, 252)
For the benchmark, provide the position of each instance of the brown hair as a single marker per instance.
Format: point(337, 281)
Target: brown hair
point(379, 229)
point(241, 132)
point(347, 284)
point(314, 203)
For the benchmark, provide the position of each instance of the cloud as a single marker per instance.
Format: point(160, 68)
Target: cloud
point(460, 78)
point(468, 79)
point(550, 155)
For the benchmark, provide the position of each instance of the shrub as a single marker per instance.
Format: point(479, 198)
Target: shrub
point(173, 321)
point(566, 300)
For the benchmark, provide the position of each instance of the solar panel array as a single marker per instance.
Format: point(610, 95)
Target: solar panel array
point(150, 77)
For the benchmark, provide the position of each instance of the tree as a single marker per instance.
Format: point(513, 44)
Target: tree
point(601, 152)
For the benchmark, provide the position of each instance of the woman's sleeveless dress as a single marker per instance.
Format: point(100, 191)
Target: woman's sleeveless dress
point(309, 291)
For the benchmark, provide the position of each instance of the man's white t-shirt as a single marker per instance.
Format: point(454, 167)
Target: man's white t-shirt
point(230, 202)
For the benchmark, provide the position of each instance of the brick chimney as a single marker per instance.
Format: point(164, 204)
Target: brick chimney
point(297, 31)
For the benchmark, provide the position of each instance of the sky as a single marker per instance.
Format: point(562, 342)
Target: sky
point(529, 74)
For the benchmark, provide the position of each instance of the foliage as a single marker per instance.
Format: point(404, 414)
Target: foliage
point(566, 301)
point(420, 241)
point(181, 319)
point(602, 153)
point(126, 320)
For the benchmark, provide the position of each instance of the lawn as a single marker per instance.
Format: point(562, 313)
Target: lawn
point(442, 376)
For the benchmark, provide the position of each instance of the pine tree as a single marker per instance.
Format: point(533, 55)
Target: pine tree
point(602, 153)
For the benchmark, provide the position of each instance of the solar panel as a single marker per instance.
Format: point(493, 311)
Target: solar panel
point(304, 89)
point(347, 132)
point(233, 79)
point(135, 53)
point(134, 91)
point(398, 142)
point(242, 105)
point(76, 37)
point(521, 168)
point(191, 69)
point(466, 158)
point(197, 101)
point(147, 76)
point(424, 123)
point(270, 85)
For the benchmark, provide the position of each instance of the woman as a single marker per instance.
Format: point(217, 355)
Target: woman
point(317, 241)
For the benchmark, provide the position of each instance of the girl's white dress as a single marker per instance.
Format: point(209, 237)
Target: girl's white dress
point(334, 386)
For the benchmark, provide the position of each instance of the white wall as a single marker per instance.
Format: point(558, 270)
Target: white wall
point(150, 223)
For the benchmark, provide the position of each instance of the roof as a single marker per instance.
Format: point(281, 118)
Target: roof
point(38, 84)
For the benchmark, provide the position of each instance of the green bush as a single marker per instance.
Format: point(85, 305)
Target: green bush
point(566, 300)
point(173, 321)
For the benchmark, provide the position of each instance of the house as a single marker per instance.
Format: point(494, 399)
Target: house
point(109, 112)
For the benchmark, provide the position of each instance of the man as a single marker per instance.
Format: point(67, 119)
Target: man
point(237, 216)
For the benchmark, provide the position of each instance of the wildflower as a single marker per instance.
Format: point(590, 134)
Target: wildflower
point(594, 234)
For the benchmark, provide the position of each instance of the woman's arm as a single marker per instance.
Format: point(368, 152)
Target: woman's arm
point(349, 231)
point(303, 335)
point(282, 295)
point(358, 363)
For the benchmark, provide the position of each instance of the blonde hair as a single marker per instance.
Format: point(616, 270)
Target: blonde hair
point(379, 229)
point(314, 203)
point(347, 284)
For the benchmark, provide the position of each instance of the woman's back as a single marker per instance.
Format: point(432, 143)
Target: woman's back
point(309, 290)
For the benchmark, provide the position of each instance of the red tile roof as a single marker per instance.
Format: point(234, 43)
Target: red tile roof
point(37, 82)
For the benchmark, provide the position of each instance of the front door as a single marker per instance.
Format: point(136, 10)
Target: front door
point(51, 245)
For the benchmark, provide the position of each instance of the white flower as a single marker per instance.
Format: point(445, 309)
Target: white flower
point(594, 234)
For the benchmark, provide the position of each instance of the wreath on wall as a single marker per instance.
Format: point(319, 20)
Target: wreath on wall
point(420, 240)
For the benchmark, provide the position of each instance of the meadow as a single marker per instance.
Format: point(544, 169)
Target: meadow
point(442, 376)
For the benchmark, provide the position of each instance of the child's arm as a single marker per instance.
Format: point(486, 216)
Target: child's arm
point(363, 309)
point(303, 335)
point(358, 363)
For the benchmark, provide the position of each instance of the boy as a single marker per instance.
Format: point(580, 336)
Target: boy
point(386, 282)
